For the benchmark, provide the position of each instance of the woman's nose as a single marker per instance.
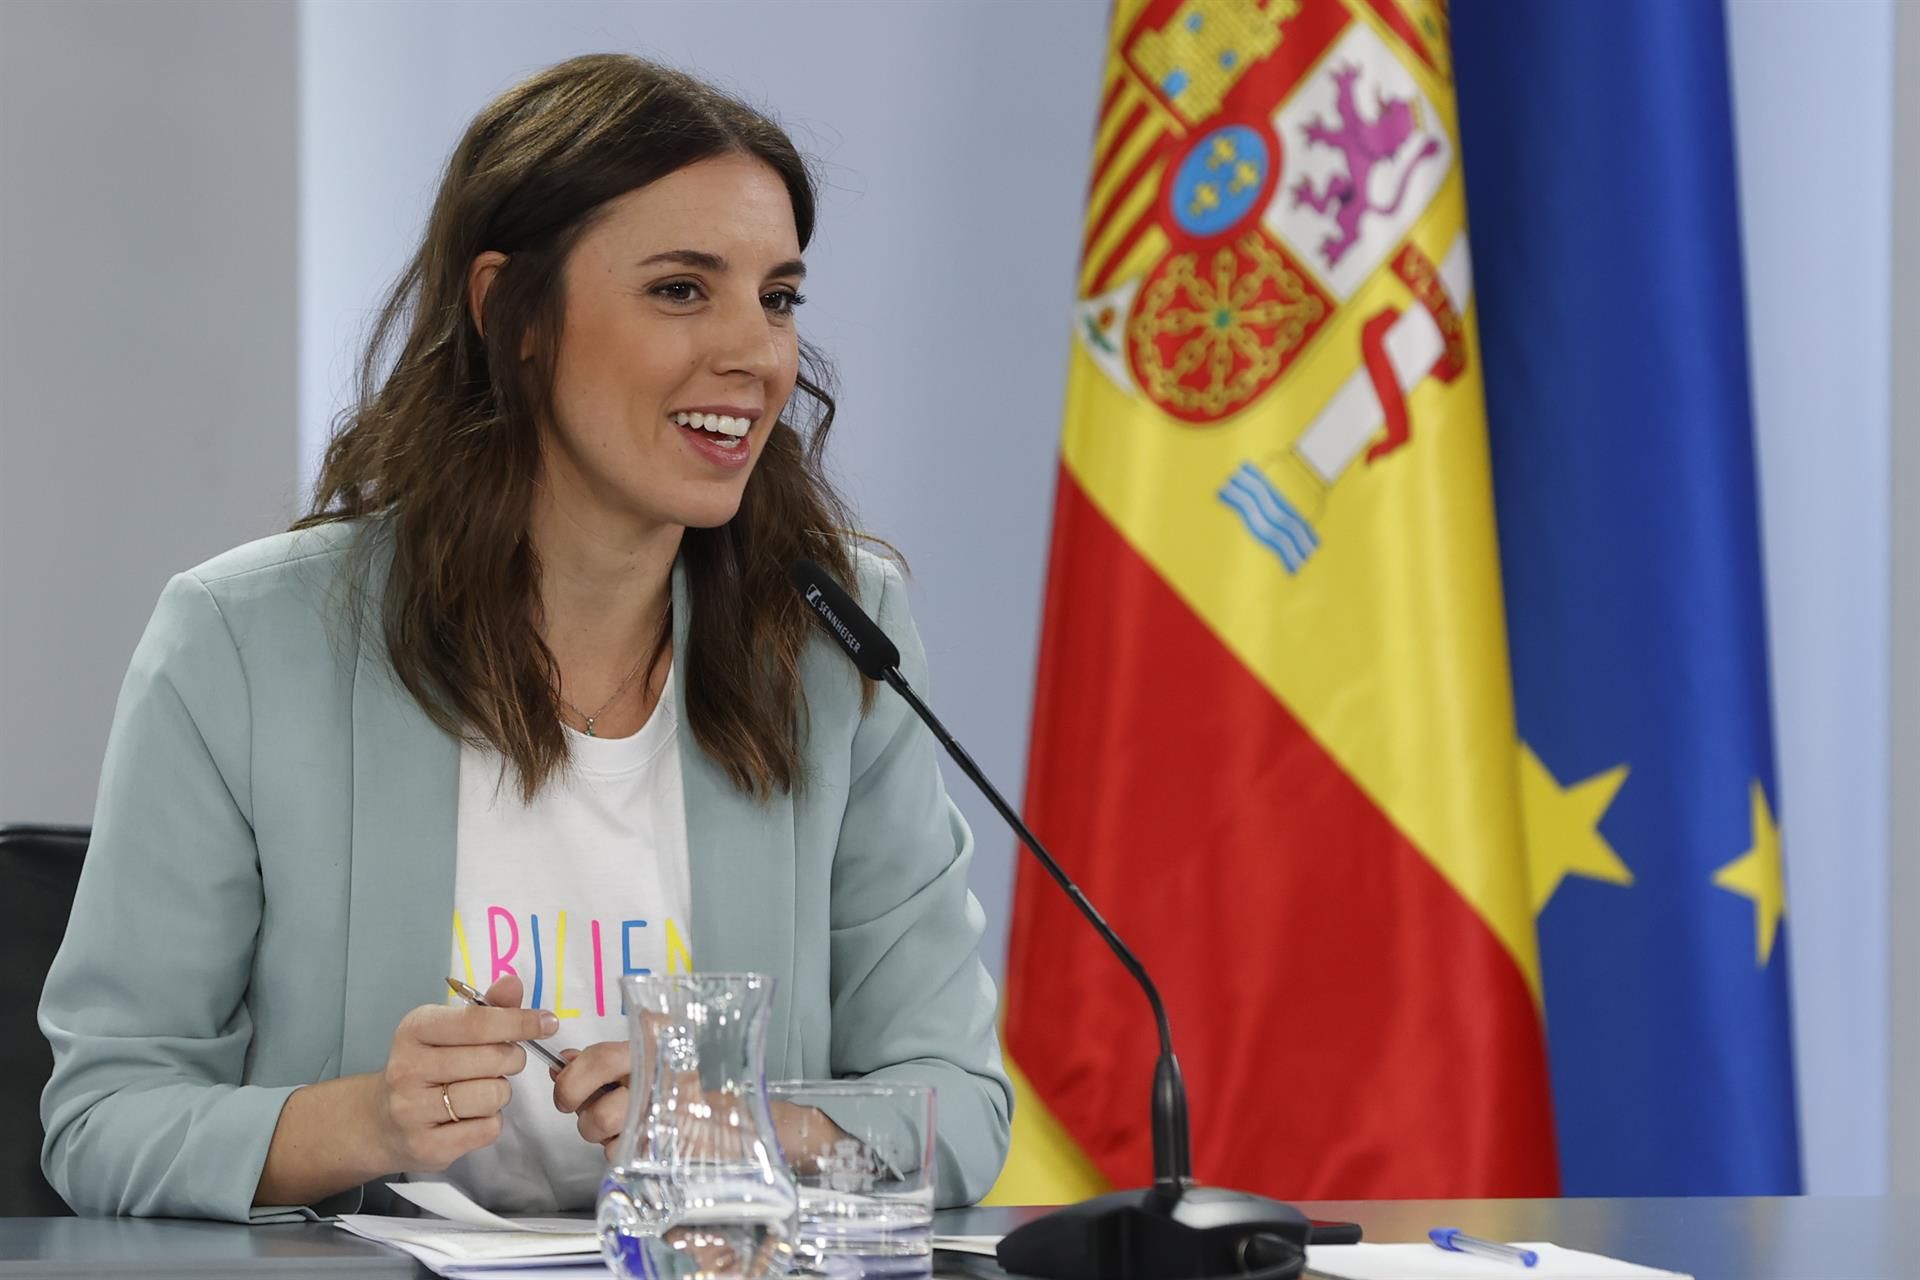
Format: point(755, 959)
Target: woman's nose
point(745, 341)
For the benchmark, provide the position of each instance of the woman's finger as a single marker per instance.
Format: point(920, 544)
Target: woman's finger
point(506, 993)
point(442, 1144)
point(566, 1055)
point(586, 1072)
point(472, 1024)
point(602, 1118)
point(471, 1099)
point(437, 1065)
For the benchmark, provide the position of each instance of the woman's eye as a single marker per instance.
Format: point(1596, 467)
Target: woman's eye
point(678, 290)
point(782, 302)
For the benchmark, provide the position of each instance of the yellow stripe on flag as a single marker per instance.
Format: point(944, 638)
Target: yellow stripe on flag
point(1045, 1165)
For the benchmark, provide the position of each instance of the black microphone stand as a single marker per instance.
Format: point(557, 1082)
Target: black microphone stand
point(1175, 1229)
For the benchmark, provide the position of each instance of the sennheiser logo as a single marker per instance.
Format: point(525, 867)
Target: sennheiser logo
point(825, 610)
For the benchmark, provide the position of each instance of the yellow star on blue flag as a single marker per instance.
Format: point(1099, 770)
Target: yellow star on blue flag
point(1757, 874)
point(1563, 827)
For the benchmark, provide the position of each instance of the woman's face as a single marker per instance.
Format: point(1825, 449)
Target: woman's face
point(678, 350)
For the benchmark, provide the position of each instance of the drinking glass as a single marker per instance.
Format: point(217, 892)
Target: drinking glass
point(861, 1152)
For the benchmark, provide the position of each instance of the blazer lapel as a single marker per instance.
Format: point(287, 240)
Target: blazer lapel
point(406, 781)
point(741, 858)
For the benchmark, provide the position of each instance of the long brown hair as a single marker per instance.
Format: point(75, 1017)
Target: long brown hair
point(443, 444)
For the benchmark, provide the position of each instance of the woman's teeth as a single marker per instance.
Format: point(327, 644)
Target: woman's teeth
point(732, 431)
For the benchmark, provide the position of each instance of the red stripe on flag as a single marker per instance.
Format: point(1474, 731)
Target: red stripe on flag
point(1118, 196)
point(1116, 257)
point(1348, 1026)
point(1115, 143)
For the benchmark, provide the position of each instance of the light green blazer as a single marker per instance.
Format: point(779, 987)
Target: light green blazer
point(269, 889)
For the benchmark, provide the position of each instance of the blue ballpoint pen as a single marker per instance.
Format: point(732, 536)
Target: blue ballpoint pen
point(1455, 1240)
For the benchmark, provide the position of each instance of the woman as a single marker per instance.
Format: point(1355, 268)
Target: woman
point(529, 665)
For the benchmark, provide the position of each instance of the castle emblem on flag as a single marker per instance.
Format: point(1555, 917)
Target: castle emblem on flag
point(1199, 55)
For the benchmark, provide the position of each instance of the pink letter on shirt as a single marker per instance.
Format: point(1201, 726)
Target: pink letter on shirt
point(502, 962)
point(599, 981)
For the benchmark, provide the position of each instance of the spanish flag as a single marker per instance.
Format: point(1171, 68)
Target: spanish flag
point(1273, 732)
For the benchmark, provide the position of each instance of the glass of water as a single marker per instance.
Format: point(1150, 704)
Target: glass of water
point(861, 1153)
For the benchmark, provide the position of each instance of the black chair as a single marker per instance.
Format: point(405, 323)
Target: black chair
point(39, 868)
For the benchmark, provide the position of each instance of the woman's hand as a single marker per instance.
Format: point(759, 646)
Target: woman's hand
point(445, 1081)
point(806, 1134)
point(593, 1090)
point(340, 1133)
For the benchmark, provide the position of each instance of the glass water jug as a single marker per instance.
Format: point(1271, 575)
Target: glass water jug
point(697, 1188)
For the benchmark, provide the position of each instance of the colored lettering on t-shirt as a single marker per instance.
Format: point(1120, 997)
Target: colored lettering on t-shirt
point(466, 956)
point(502, 960)
point(514, 948)
point(679, 956)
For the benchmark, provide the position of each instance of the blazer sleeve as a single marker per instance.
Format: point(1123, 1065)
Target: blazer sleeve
point(911, 999)
point(145, 1112)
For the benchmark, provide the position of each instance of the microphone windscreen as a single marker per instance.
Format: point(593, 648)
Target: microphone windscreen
point(859, 636)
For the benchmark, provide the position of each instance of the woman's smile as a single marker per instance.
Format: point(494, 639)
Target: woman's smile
point(718, 434)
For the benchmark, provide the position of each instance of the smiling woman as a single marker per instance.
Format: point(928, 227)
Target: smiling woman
point(530, 657)
point(675, 354)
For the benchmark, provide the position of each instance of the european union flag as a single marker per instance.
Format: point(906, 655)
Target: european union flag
point(1597, 142)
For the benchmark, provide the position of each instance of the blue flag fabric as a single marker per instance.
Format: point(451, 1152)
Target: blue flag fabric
point(1597, 144)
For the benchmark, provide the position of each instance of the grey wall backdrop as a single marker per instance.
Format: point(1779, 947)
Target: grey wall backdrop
point(148, 350)
point(1904, 728)
point(1813, 94)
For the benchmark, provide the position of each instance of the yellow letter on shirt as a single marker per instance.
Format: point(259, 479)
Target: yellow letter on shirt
point(560, 972)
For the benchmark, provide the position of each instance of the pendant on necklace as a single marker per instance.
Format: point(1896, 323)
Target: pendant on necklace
point(590, 732)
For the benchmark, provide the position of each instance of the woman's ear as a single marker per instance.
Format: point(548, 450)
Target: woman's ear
point(479, 279)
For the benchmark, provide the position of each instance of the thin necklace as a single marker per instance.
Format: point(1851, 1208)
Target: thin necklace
point(609, 702)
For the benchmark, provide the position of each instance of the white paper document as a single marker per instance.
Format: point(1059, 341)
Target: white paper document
point(982, 1246)
point(466, 1242)
point(1429, 1262)
point(451, 1203)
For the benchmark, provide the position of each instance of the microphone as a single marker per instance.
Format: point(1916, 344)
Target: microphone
point(859, 636)
point(1175, 1229)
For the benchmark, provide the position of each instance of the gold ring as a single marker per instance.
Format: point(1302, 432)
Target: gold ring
point(451, 1113)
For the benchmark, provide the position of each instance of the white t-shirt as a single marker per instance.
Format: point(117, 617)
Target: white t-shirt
point(587, 883)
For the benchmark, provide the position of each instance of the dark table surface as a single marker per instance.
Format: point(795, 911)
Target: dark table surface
point(1791, 1238)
